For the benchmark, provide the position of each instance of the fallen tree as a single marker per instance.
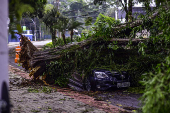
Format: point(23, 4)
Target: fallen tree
point(37, 61)
point(26, 53)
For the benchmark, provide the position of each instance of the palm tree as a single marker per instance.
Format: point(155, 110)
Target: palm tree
point(62, 26)
point(73, 25)
point(51, 19)
point(67, 24)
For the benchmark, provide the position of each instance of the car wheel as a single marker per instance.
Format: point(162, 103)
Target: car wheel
point(88, 84)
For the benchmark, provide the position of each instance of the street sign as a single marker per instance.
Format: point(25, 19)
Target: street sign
point(24, 28)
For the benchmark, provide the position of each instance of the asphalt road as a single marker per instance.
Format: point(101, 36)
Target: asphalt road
point(121, 98)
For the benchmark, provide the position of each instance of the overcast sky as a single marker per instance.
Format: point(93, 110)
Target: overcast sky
point(152, 4)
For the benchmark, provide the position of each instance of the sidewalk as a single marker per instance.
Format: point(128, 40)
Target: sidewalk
point(33, 99)
point(35, 43)
point(28, 97)
point(65, 100)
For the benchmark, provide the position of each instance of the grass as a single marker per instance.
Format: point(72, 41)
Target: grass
point(63, 99)
point(44, 89)
point(19, 64)
point(136, 90)
point(35, 111)
point(31, 90)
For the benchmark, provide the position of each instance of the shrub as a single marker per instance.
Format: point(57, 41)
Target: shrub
point(79, 39)
point(59, 42)
point(157, 89)
point(48, 45)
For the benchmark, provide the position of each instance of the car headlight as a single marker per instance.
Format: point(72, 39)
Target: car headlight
point(101, 75)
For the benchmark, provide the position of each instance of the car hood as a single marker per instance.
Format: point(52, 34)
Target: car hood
point(111, 73)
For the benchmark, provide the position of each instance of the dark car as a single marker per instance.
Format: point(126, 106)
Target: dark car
point(101, 79)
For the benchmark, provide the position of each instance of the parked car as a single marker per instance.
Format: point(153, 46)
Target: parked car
point(104, 79)
point(101, 79)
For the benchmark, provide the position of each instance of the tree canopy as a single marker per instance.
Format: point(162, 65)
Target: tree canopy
point(20, 8)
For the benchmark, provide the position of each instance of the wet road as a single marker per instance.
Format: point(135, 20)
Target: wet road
point(121, 98)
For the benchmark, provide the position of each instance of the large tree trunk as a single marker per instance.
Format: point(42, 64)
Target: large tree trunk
point(53, 37)
point(64, 38)
point(126, 10)
point(130, 11)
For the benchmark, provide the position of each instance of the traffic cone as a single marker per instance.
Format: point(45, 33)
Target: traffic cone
point(17, 49)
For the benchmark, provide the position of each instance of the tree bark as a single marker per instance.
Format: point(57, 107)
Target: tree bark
point(53, 37)
point(130, 11)
point(64, 39)
point(71, 35)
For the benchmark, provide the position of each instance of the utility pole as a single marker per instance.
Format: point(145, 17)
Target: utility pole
point(4, 78)
point(57, 32)
point(35, 29)
point(40, 30)
point(57, 4)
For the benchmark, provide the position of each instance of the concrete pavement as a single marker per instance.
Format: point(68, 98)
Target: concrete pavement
point(35, 98)
point(35, 43)
point(65, 100)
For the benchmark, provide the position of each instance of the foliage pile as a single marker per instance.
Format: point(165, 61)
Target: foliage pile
point(82, 61)
point(157, 89)
point(156, 82)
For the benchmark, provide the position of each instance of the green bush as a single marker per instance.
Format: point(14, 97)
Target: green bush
point(157, 89)
point(79, 39)
point(48, 45)
point(59, 42)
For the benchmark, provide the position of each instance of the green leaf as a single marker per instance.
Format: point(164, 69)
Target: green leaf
point(19, 28)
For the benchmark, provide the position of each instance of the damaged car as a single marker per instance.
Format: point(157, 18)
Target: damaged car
point(101, 79)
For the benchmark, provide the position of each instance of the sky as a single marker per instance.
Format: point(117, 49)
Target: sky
point(152, 4)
